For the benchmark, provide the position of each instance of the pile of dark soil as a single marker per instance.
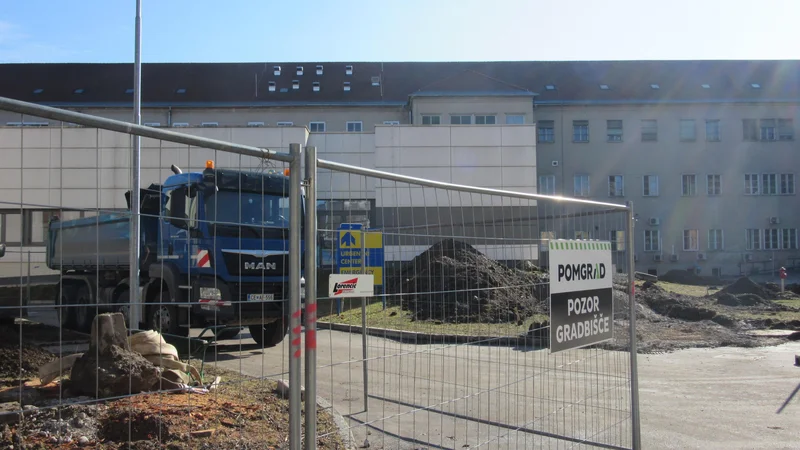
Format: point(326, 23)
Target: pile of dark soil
point(743, 300)
point(744, 285)
point(454, 282)
point(673, 305)
point(19, 361)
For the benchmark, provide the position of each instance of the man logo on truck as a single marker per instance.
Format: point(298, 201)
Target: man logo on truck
point(260, 266)
point(345, 286)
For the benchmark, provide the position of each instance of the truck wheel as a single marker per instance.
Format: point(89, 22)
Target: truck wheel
point(271, 334)
point(123, 306)
point(84, 312)
point(66, 314)
point(164, 317)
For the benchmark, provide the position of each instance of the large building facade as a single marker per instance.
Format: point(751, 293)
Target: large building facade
point(705, 150)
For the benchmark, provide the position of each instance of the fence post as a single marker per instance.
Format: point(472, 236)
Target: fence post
point(311, 297)
point(636, 438)
point(295, 204)
point(134, 310)
point(364, 318)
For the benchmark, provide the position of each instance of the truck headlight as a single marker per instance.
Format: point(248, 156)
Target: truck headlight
point(302, 288)
point(209, 293)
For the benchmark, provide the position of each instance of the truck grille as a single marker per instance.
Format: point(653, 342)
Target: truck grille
point(254, 265)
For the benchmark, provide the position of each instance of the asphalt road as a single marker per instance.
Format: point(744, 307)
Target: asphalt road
point(445, 396)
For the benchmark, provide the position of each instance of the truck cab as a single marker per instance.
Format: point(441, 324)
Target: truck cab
point(224, 236)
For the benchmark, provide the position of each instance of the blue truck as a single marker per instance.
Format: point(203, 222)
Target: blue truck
point(214, 251)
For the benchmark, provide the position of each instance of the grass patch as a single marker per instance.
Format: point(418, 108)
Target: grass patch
point(793, 303)
point(394, 318)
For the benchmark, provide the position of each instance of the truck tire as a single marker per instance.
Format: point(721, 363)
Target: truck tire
point(123, 305)
point(163, 317)
point(85, 311)
point(271, 334)
point(66, 314)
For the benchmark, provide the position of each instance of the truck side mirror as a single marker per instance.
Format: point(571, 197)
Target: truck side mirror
point(2, 250)
point(176, 215)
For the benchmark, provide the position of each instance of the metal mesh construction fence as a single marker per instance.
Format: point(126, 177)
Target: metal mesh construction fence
point(450, 350)
point(236, 249)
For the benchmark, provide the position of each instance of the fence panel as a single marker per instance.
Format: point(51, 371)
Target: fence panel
point(219, 278)
point(452, 348)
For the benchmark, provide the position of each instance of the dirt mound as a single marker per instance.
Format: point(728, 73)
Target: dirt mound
point(16, 361)
point(674, 305)
point(114, 372)
point(454, 282)
point(744, 285)
point(742, 300)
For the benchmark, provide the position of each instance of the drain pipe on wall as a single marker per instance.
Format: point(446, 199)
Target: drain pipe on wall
point(169, 117)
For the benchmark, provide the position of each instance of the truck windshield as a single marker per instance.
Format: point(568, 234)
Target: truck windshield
point(232, 212)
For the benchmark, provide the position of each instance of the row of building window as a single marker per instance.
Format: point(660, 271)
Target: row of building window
point(765, 130)
point(754, 184)
point(355, 126)
point(473, 119)
point(755, 239)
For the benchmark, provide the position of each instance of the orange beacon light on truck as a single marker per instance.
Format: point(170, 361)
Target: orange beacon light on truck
point(209, 164)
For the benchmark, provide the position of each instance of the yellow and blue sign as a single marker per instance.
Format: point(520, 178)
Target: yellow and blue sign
point(349, 249)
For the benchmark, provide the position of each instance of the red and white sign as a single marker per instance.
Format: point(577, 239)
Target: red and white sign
point(351, 285)
point(203, 259)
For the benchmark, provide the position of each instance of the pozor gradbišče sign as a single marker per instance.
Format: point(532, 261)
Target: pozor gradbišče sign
point(581, 294)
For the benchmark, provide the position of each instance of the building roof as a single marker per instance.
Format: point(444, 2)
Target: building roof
point(391, 83)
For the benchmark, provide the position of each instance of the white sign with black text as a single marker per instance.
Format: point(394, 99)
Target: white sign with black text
point(351, 285)
point(581, 294)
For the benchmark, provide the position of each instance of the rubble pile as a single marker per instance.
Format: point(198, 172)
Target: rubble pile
point(454, 282)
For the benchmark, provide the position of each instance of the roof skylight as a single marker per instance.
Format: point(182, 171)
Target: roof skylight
point(180, 91)
point(78, 91)
point(655, 86)
point(705, 86)
point(550, 87)
point(38, 91)
point(604, 87)
point(755, 85)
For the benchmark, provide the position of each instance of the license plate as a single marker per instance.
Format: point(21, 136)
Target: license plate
point(260, 297)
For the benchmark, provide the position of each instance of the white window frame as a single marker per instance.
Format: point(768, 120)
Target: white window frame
point(485, 118)
point(460, 119)
point(391, 122)
point(691, 235)
point(546, 129)
point(4, 238)
point(715, 124)
point(749, 187)
point(772, 239)
point(647, 132)
point(770, 184)
point(692, 191)
point(255, 124)
point(431, 117)
point(547, 185)
point(515, 119)
point(715, 238)
point(317, 123)
point(646, 183)
point(786, 129)
point(792, 235)
point(619, 186)
point(787, 180)
point(710, 184)
point(684, 126)
point(753, 239)
point(580, 131)
point(360, 126)
point(285, 124)
point(652, 241)
point(614, 134)
point(584, 186)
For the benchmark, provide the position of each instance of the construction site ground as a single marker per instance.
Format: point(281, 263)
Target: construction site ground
point(733, 384)
point(240, 412)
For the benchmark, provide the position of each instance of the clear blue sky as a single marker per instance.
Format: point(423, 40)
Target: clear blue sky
point(400, 30)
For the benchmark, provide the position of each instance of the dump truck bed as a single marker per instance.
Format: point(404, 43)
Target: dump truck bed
point(92, 243)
